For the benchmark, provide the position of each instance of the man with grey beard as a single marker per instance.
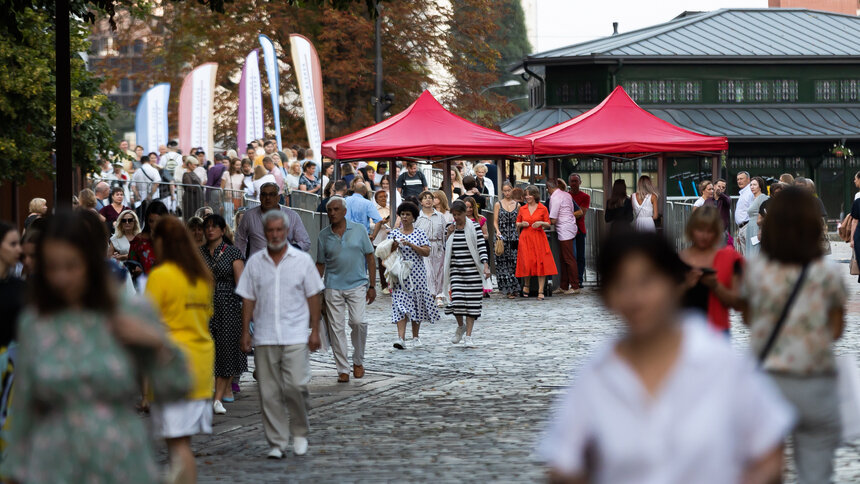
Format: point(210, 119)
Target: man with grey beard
point(281, 288)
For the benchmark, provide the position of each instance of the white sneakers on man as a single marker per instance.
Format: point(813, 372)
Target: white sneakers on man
point(275, 453)
point(218, 408)
point(467, 341)
point(300, 445)
point(458, 334)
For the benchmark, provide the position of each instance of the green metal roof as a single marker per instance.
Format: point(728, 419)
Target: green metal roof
point(740, 123)
point(759, 34)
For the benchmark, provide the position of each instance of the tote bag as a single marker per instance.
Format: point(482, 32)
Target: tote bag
point(848, 383)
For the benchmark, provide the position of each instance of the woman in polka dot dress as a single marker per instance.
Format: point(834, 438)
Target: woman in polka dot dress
point(412, 300)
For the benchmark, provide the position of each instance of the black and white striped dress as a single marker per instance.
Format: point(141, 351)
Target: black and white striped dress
point(467, 289)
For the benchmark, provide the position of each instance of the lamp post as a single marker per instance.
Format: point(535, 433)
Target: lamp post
point(508, 83)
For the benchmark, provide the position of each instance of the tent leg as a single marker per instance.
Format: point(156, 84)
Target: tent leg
point(607, 179)
point(532, 170)
point(502, 176)
point(664, 181)
point(392, 179)
point(715, 168)
point(447, 182)
point(336, 174)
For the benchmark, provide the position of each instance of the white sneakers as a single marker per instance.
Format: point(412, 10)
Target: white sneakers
point(467, 341)
point(218, 408)
point(416, 343)
point(275, 453)
point(400, 344)
point(458, 334)
point(300, 445)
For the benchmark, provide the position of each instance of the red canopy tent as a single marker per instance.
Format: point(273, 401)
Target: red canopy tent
point(424, 129)
point(618, 125)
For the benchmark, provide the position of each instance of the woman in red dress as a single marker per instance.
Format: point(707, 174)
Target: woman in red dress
point(533, 255)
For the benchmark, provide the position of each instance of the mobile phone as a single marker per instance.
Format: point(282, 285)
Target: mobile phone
point(706, 271)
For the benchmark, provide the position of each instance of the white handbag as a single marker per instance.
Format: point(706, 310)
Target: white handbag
point(848, 386)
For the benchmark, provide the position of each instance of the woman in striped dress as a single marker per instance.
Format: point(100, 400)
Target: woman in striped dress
point(465, 270)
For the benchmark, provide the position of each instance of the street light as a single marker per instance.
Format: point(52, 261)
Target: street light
point(508, 83)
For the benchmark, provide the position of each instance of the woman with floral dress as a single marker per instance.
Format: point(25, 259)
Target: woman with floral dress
point(505, 218)
point(432, 223)
point(411, 301)
point(80, 351)
point(226, 263)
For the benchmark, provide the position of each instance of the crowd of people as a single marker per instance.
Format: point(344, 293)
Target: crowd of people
point(169, 310)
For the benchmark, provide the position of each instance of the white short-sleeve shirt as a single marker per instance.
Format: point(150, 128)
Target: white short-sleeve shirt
point(714, 414)
point(699, 202)
point(281, 313)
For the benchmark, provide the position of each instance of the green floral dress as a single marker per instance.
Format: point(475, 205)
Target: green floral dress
point(72, 413)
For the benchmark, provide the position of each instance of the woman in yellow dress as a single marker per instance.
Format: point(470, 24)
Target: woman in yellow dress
point(181, 289)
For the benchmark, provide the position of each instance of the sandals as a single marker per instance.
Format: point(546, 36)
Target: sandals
point(540, 297)
point(512, 296)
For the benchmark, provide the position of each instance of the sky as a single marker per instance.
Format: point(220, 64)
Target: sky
point(558, 23)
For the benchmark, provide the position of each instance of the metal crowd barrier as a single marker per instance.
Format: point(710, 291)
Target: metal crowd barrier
point(675, 221)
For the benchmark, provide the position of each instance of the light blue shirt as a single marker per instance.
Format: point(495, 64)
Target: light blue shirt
point(344, 257)
point(361, 211)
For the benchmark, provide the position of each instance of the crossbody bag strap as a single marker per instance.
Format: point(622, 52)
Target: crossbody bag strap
point(783, 316)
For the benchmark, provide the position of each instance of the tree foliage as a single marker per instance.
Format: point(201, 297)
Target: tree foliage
point(28, 98)
point(419, 50)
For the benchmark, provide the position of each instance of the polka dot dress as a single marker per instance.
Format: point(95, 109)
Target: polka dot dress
point(226, 322)
point(413, 298)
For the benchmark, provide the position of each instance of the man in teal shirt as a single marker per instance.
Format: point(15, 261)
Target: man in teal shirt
point(345, 257)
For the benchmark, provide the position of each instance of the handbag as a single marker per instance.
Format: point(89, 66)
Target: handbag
point(500, 246)
point(848, 388)
point(783, 316)
point(854, 269)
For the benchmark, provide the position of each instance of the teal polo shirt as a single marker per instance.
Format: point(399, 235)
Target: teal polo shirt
point(344, 257)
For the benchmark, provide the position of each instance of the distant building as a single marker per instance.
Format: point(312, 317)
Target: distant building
point(782, 84)
point(107, 53)
point(848, 7)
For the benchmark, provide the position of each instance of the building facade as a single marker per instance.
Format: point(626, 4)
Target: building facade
point(782, 84)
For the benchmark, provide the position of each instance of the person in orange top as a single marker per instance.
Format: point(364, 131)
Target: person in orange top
point(533, 255)
point(181, 288)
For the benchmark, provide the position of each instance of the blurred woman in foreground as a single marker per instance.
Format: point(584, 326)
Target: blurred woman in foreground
point(669, 401)
point(76, 374)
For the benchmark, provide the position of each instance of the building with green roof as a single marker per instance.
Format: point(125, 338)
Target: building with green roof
point(782, 84)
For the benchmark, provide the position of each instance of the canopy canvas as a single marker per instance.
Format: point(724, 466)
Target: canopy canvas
point(619, 125)
point(424, 130)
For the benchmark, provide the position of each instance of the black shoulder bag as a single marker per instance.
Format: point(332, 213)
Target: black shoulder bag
point(782, 317)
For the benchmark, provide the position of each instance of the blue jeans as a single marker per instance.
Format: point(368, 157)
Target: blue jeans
point(580, 256)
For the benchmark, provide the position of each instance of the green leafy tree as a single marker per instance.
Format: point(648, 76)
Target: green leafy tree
point(27, 99)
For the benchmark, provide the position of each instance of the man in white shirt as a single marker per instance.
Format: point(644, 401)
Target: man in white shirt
point(145, 182)
point(741, 211)
point(281, 287)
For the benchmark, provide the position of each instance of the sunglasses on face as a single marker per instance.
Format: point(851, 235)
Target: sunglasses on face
point(128, 220)
point(269, 194)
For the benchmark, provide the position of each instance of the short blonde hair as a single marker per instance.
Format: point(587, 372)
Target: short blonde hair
point(87, 198)
point(480, 167)
point(38, 205)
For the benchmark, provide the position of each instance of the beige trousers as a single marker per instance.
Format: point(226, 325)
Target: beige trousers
point(283, 375)
point(338, 304)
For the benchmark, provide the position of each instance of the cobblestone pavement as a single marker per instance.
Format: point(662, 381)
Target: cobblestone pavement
point(444, 413)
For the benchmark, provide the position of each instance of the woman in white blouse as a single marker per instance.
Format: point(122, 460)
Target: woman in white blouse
point(126, 227)
point(670, 401)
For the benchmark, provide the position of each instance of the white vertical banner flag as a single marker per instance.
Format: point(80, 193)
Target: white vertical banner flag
point(309, 77)
point(250, 103)
point(150, 121)
point(270, 59)
point(196, 110)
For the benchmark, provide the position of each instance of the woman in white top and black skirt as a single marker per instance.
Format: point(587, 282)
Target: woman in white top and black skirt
point(465, 270)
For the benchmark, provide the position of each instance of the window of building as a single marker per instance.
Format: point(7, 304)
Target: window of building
point(757, 91)
point(138, 47)
point(664, 91)
point(125, 85)
point(837, 91)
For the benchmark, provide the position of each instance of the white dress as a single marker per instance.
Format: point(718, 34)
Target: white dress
point(644, 215)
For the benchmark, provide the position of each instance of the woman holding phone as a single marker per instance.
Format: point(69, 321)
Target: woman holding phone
point(715, 270)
